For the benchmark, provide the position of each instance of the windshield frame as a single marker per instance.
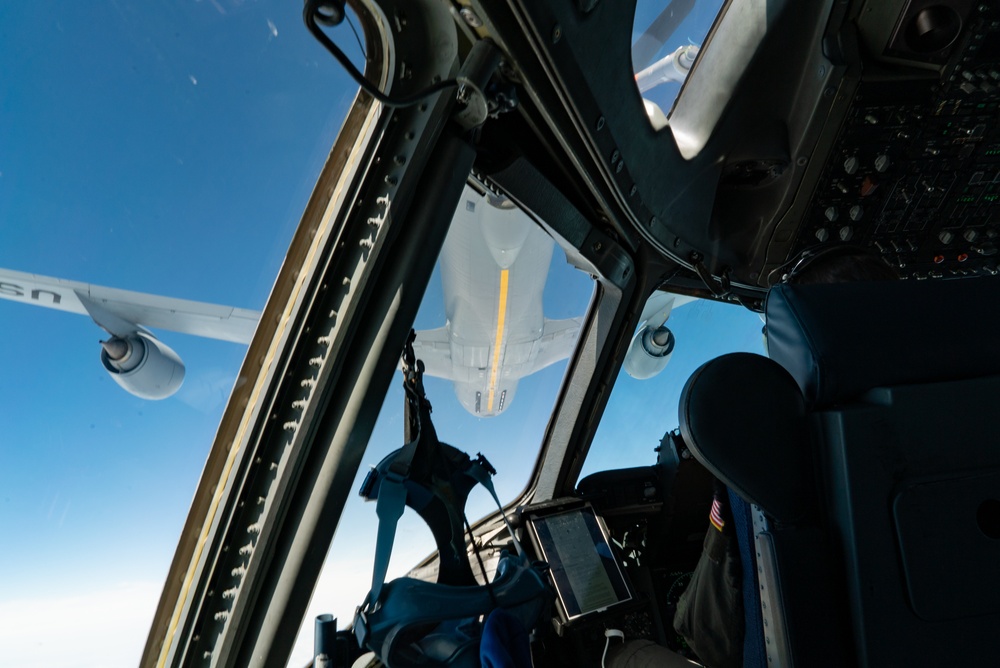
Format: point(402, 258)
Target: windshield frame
point(185, 608)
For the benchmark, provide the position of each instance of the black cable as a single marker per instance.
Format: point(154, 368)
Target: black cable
point(310, 14)
point(361, 46)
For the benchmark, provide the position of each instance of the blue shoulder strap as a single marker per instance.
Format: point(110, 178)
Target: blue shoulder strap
point(389, 508)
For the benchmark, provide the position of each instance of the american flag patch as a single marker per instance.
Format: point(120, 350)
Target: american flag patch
point(715, 517)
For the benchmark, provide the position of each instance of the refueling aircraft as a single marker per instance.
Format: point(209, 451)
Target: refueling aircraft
point(494, 264)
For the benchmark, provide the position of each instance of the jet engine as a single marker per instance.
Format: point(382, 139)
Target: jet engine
point(649, 351)
point(143, 365)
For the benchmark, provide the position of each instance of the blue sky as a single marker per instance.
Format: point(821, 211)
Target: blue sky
point(164, 149)
point(171, 150)
point(646, 409)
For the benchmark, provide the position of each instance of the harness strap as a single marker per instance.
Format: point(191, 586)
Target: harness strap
point(389, 508)
point(482, 475)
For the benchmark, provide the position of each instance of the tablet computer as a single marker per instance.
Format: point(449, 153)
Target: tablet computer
point(573, 540)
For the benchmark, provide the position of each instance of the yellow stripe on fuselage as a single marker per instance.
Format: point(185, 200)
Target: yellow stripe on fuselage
point(498, 340)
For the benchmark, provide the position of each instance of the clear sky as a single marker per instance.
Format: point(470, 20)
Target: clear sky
point(170, 149)
point(166, 148)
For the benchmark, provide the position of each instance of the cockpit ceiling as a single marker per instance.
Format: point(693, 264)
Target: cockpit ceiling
point(799, 125)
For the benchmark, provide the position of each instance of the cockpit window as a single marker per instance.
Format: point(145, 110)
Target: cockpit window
point(641, 410)
point(666, 38)
point(501, 315)
point(167, 149)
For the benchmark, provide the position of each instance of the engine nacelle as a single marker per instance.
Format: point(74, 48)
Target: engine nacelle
point(143, 365)
point(649, 352)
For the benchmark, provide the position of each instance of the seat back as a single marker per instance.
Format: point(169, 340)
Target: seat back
point(912, 480)
point(744, 418)
point(895, 467)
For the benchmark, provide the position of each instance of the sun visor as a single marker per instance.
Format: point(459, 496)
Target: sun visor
point(840, 340)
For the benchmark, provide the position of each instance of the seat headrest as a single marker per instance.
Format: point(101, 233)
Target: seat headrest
point(744, 419)
point(841, 340)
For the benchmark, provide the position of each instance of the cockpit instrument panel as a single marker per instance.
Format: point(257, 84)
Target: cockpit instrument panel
point(914, 172)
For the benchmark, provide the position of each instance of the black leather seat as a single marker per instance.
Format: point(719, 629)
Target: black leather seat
point(868, 447)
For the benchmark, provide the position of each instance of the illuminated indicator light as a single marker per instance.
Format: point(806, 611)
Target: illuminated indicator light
point(498, 340)
point(868, 186)
point(938, 259)
point(962, 257)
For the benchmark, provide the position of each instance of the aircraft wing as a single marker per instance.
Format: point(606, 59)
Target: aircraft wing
point(179, 315)
point(433, 347)
point(660, 304)
point(558, 339)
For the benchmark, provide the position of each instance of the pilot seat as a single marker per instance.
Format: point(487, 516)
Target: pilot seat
point(864, 460)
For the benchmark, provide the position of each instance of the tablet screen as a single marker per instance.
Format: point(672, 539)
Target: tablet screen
point(586, 575)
